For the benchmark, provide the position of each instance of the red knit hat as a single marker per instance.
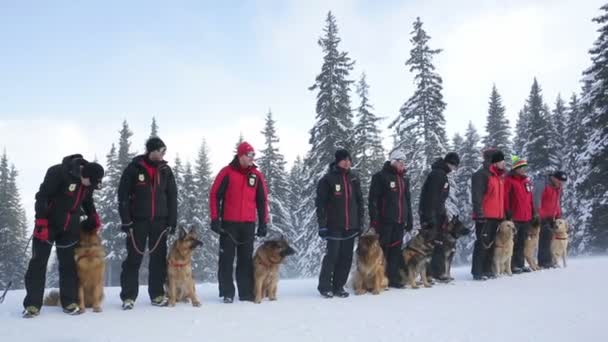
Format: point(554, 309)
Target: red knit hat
point(244, 148)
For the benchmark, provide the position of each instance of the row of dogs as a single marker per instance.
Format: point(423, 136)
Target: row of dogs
point(369, 273)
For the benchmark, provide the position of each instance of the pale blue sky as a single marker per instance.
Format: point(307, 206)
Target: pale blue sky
point(71, 71)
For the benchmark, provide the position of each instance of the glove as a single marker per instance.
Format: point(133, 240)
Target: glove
point(41, 229)
point(323, 232)
point(92, 223)
point(125, 227)
point(216, 226)
point(262, 229)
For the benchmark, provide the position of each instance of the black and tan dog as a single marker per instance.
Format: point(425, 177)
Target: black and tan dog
point(417, 256)
point(180, 284)
point(90, 256)
point(370, 272)
point(444, 251)
point(266, 261)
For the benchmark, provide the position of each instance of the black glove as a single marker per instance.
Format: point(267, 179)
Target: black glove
point(216, 226)
point(125, 227)
point(323, 232)
point(262, 229)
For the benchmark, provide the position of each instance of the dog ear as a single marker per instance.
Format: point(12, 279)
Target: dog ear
point(182, 232)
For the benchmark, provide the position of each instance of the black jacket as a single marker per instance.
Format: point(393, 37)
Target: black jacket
point(62, 198)
point(389, 197)
point(434, 193)
point(339, 200)
point(145, 197)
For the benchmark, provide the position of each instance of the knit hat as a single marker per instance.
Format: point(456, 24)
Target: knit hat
point(561, 175)
point(397, 155)
point(244, 148)
point(452, 158)
point(341, 155)
point(487, 154)
point(154, 144)
point(517, 162)
point(94, 172)
point(497, 156)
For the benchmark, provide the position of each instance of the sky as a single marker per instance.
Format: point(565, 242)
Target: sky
point(71, 72)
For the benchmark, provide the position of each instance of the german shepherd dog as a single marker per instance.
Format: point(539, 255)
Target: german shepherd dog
point(417, 255)
point(559, 244)
point(443, 255)
point(90, 256)
point(266, 261)
point(180, 284)
point(503, 248)
point(370, 272)
point(531, 245)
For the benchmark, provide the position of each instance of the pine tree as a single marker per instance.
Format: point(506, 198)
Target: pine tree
point(538, 147)
point(498, 132)
point(240, 141)
point(521, 129)
point(207, 256)
point(420, 127)
point(300, 236)
point(331, 131)
point(595, 188)
point(368, 151)
point(558, 120)
point(153, 128)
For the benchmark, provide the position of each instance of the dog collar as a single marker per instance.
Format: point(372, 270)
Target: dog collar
point(178, 265)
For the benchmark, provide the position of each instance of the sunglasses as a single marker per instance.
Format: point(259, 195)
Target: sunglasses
point(250, 154)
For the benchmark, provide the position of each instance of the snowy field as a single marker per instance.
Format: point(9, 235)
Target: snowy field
point(566, 305)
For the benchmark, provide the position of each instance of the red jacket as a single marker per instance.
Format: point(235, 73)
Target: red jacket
point(238, 194)
point(487, 192)
point(548, 200)
point(519, 200)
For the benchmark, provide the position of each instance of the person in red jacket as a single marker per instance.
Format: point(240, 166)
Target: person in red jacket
point(238, 196)
point(519, 207)
point(487, 192)
point(547, 198)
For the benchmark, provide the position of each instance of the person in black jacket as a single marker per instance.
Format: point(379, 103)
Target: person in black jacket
point(65, 194)
point(435, 192)
point(147, 200)
point(340, 212)
point(390, 212)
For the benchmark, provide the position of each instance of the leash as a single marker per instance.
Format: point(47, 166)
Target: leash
point(10, 283)
point(341, 239)
point(150, 251)
point(69, 245)
point(235, 241)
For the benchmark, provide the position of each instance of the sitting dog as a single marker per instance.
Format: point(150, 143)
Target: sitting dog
point(503, 248)
point(266, 261)
point(531, 245)
point(559, 244)
point(417, 255)
point(443, 254)
point(370, 272)
point(180, 284)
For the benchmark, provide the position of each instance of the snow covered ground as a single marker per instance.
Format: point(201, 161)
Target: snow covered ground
point(556, 305)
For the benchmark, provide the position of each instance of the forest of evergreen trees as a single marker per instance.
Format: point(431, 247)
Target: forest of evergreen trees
point(569, 133)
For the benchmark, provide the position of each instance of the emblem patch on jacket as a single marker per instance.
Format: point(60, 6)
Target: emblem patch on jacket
point(338, 187)
point(72, 187)
point(141, 177)
point(252, 179)
point(393, 185)
point(446, 185)
point(528, 187)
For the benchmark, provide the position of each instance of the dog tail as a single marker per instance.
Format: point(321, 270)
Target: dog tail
point(52, 298)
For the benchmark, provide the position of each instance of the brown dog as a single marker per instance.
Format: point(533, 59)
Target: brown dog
point(180, 284)
point(531, 245)
point(503, 248)
point(268, 257)
point(369, 274)
point(417, 256)
point(559, 244)
point(90, 256)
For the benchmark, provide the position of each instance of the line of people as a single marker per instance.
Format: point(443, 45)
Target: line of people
point(238, 199)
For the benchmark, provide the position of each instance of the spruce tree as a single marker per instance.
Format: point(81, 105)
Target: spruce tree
point(558, 120)
point(498, 132)
point(208, 257)
point(153, 128)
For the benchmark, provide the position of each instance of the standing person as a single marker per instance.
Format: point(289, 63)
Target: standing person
point(547, 198)
point(65, 193)
point(147, 200)
point(340, 213)
point(435, 191)
point(519, 207)
point(487, 192)
point(390, 212)
point(238, 194)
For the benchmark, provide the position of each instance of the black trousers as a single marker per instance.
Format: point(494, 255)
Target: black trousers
point(35, 276)
point(518, 260)
point(544, 243)
point(391, 240)
point(150, 232)
point(483, 250)
point(238, 238)
point(337, 260)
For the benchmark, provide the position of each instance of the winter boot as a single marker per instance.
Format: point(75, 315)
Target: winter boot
point(128, 304)
point(30, 312)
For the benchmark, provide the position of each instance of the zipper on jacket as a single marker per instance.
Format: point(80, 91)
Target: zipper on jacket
point(400, 201)
point(69, 214)
point(346, 208)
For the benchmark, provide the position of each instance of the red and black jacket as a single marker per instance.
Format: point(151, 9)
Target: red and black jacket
point(487, 192)
point(147, 192)
point(62, 198)
point(389, 197)
point(519, 200)
point(239, 195)
point(339, 200)
point(434, 194)
point(547, 198)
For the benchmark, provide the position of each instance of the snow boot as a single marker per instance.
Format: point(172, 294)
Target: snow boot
point(327, 294)
point(72, 309)
point(30, 312)
point(160, 301)
point(341, 293)
point(128, 304)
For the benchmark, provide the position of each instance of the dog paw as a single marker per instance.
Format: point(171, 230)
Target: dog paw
point(272, 299)
point(428, 285)
point(359, 292)
point(97, 309)
point(376, 292)
point(196, 304)
point(171, 304)
point(257, 301)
